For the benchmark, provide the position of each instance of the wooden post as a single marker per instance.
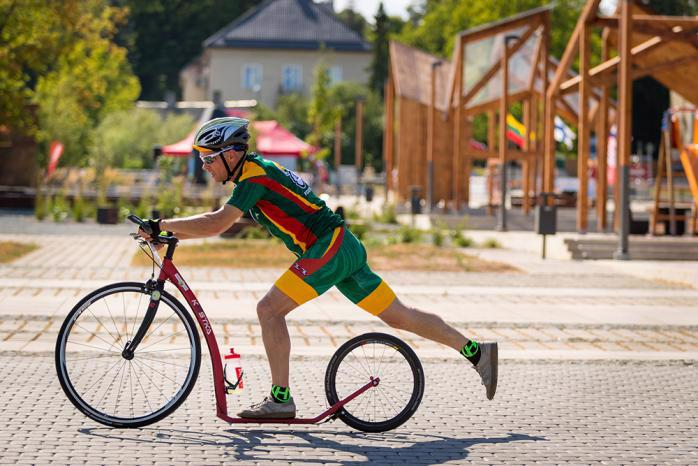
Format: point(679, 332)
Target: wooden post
point(388, 135)
point(526, 164)
point(338, 152)
point(503, 109)
point(584, 130)
point(625, 104)
point(457, 127)
point(491, 145)
point(534, 146)
point(359, 138)
point(602, 144)
point(548, 120)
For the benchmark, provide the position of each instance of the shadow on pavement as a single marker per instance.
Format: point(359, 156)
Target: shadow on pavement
point(241, 444)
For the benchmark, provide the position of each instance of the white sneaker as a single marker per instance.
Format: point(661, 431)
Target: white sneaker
point(487, 367)
point(270, 409)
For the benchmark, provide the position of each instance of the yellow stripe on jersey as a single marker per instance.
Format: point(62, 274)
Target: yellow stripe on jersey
point(334, 238)
point(298, 242)
point(249, 170)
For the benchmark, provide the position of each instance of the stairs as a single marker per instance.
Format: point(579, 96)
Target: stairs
point(641, 248)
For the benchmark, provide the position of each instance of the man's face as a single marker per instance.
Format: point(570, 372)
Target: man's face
point(217, 169)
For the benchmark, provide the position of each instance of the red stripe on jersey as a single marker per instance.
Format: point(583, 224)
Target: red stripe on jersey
point(311, 266)
point(282, 190)
point(296, 228)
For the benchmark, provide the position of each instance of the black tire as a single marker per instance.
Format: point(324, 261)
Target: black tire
point(405, 360)
point(71, 368)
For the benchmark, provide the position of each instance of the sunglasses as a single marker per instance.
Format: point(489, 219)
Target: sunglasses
point(210, 157)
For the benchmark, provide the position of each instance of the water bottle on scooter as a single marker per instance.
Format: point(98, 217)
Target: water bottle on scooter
point(232, 372)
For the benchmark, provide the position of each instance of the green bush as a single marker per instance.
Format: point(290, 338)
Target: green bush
point(409, 234)
point(491, 243)
point(60, 208)
point(144, 209)
point(463, 241)
point(255, 232)
point(42, 205)
point(169, 199)
point(437, 237)
point(387, 215)
point(80, 210)
point(360, 229)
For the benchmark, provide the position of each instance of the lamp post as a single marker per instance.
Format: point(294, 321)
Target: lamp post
point(358, 154)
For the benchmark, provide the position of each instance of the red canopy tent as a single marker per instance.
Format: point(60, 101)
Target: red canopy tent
point(271, 139)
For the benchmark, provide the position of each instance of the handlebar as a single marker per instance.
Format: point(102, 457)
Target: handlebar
point(162, 239)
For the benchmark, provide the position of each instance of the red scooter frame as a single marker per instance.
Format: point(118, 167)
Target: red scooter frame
point(168, 272)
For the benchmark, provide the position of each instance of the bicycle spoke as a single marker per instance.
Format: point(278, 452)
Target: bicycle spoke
point(100, 323)
point(163, 339)
point(112, 383)
point(160, 325)
point(100, 379)
point(112, 318)
point(91, 346)
point(161, 350)
point(151, 380)
point(147, 400)
point(157, 371)
point(92, 357)
point(163, 362)
point(118, 392)
point(130, 383)
point(111, 345)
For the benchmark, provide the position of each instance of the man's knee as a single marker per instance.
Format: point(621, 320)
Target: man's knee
point(265, 310)
point(396, 315)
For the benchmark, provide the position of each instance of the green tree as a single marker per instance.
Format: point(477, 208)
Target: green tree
point(379, 62)
point(321, 115)
point(354, 20)
point(165, 35)
point(126, 138)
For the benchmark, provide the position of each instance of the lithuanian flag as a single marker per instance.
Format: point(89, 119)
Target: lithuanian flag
point(516, 131)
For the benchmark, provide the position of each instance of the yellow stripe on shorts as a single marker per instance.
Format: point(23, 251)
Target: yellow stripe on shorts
point(295, 288)
point(379, 299)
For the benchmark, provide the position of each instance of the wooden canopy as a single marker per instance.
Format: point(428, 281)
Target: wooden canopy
point(664, 47)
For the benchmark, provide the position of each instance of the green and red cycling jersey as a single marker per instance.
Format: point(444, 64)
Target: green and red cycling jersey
point(281, 201)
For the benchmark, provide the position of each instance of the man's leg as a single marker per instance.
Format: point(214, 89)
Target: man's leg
point(483, 356)
point(272, 311)
point(424, 324)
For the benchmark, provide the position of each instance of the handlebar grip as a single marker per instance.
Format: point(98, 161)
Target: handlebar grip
point(138, 221)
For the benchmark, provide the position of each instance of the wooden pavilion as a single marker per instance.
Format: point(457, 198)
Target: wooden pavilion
point(664, 47)
point(493, 66)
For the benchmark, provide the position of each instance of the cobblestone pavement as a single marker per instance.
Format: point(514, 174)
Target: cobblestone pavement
point(544, 413)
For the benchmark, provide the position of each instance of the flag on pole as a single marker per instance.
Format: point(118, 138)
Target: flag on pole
point(516, 131)
point(54, 154)
point(563, 133)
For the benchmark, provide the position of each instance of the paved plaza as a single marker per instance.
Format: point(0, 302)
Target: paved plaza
point(599, 364)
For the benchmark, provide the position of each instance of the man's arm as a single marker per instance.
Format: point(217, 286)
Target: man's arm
point(203, 225)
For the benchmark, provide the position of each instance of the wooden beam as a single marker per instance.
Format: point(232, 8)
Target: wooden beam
point(525, 165)
point(602, 131)
point(610, 66)
point(535, 69)
point(503, 146)
point(528, 18)
point(583, 130)
point(588, 13)
point(482, 82)
point(494, 104)
point(457, 127)
point(513, 154)
point(457, 63)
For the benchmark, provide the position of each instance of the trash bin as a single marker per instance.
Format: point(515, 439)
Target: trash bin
point(546, 215)
point(369, 193)
point(416, 199)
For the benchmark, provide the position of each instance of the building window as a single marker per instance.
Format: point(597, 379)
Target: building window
point(251, 76)
point(292, 78)
point(334, 72)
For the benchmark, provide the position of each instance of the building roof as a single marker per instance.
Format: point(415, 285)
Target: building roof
point(289, 24)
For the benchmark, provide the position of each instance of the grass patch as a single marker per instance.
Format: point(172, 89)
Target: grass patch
point(11, 250)
point(256, 253)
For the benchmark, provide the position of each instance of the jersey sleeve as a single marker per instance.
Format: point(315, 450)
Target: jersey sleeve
point(246, 194)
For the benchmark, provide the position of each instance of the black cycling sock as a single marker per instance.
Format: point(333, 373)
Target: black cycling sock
point(471, 351)
point(280, 394)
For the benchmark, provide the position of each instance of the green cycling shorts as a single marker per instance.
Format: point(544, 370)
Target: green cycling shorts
point(337, 259)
